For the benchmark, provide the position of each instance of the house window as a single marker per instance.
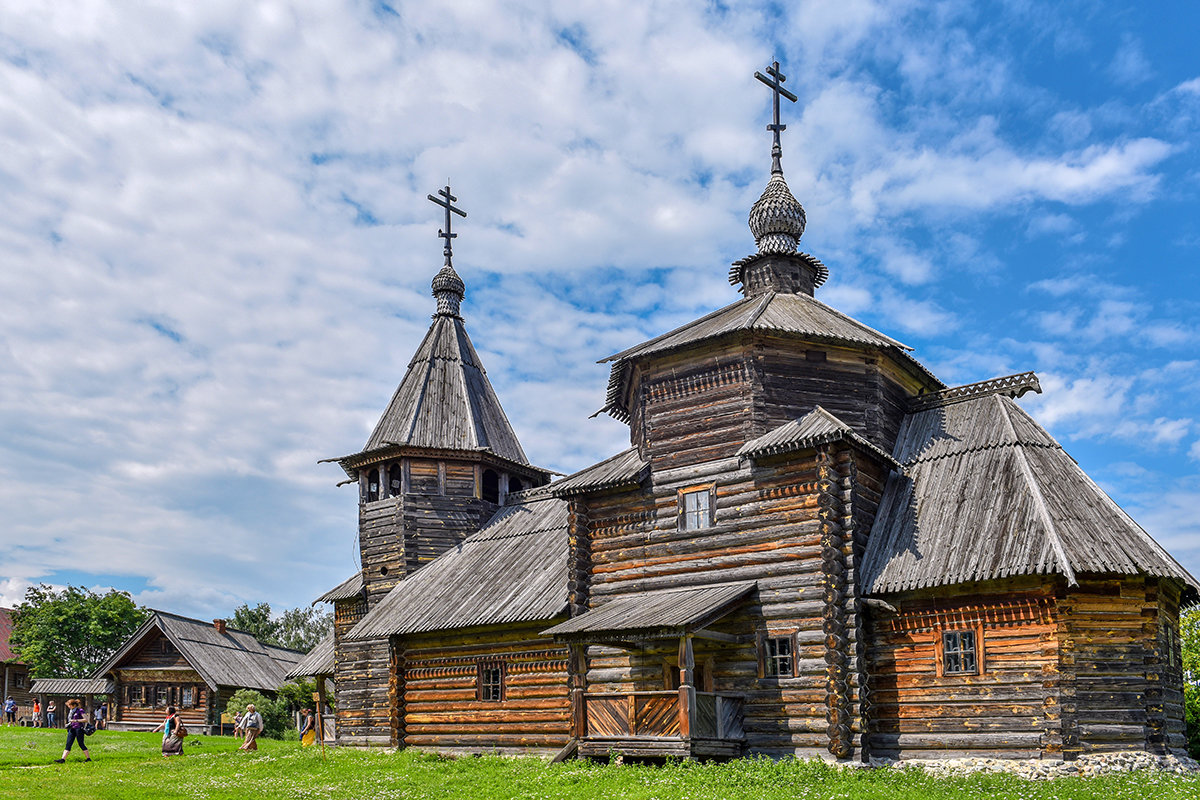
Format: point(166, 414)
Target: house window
point(491, 682)
point(19, 680)
point(396, 478)
point(958, 653)
point(189, 697)
point(161, 697)
point(696, 505)
point(779, 657)
point(164, 646)
point(372, 486)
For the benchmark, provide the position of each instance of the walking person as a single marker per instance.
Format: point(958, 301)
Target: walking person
point(51, 713)
point(308, 729)
point(10, 710)
point(252, 722)
point(173, 733)
point(75, 723)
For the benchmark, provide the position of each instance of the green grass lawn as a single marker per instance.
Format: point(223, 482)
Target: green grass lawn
point(128, 765)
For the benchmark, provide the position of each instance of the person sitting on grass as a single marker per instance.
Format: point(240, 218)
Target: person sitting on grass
point(75, 721)
point(253, 723)
point(172, 744)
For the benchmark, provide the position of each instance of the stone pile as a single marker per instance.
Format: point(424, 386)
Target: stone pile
point(1044, 769)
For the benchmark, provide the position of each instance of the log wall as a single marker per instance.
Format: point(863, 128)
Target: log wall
point(785, 524)
point(1011, 708)
point(439, 680)
point(150, 712)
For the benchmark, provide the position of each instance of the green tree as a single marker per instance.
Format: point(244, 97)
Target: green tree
point(70, 633)
point(256, 621)
point(296, 628)
point(1189, 631)
point(274, 712)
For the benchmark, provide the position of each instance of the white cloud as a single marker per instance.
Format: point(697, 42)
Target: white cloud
point(1130, 66)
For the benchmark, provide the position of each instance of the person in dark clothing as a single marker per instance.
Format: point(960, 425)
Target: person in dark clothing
point(75, 722)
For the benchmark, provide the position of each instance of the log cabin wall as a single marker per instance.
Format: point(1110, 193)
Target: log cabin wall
point(442, 707)
point(1012, 707)
point(142, 696)
point(1122, 689)
point(767, 527)
point(362, 688)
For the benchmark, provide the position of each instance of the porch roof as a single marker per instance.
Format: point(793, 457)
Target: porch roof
point(654, 615)
point(71, 686)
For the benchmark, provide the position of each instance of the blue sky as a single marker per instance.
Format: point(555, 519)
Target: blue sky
point(216, 247)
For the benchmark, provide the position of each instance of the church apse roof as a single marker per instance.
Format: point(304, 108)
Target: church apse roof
point(986, 493)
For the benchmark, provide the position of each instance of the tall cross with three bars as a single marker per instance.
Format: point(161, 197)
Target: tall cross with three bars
point(447, 234)
point(775, 82)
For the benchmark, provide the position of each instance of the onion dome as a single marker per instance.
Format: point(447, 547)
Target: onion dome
point(777, 220)
point(449, 289)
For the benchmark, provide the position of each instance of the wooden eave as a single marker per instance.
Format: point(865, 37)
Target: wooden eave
point(626, 470)
point(351, 464)
point(663, 614)
point(818, 427)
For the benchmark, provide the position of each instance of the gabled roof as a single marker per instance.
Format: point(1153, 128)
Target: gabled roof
point(350, 588)
point(71, 687)
point(6, 626)
point(986, 493)
point(513, 570)
point(625, 469)
point(777, 313)
point(665, 613)
point(233, 658)
point(319, 661)
point(815, 428)
point(445, 400)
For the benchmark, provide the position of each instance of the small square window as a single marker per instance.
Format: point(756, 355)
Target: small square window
point(778, 658)
point(958, 653)
point(134, 695)
point(19, 680)
point(491, 682)
point(697, 509)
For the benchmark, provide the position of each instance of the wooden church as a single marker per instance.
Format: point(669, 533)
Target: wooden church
point(812, 546)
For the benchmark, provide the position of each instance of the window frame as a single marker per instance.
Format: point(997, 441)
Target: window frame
point(706, 517)
point(943, 654)
point(187, 697)
point(765, 659)
point(483, 686)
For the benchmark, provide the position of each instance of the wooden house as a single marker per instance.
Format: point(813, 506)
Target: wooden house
point(193, 665)
point(17, 682)
point(813, 546)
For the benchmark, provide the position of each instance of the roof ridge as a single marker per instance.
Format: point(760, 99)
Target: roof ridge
point(723, 309)
point(1039, 501)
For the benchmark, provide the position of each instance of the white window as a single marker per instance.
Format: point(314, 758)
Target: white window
point(696, 509)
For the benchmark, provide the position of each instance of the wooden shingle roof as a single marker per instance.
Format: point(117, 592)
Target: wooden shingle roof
point(233, 658)
point(6, 652)
point(777, 313)
point(815, 428)
point(987, 493)
point(319, 661)
point(350, 588)
point(664, 613)
point(513, 570)
point(625, 469)
point(71, 687)
point(445, 400)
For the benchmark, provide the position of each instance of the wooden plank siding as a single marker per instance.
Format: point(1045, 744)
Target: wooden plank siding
point(441, 706)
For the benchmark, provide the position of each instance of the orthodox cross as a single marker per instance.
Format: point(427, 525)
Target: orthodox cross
point(775, 82)
point(447, 234)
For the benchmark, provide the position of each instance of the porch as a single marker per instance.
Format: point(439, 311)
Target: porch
point(683, 723)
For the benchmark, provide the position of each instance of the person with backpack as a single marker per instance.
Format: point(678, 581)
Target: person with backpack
point(76, 720)
point(173, 732)
point(10, 710)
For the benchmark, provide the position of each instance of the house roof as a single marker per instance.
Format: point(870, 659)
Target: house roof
point(665, 613)
point(346, 590)
point(445, 401)
point(815, 428)
point(71, 687)
point(319, 661)
point(987, 493)
point(622, 470)
point(6, 627)
point(777, 313)
point(232, 658)
point(513, 570)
